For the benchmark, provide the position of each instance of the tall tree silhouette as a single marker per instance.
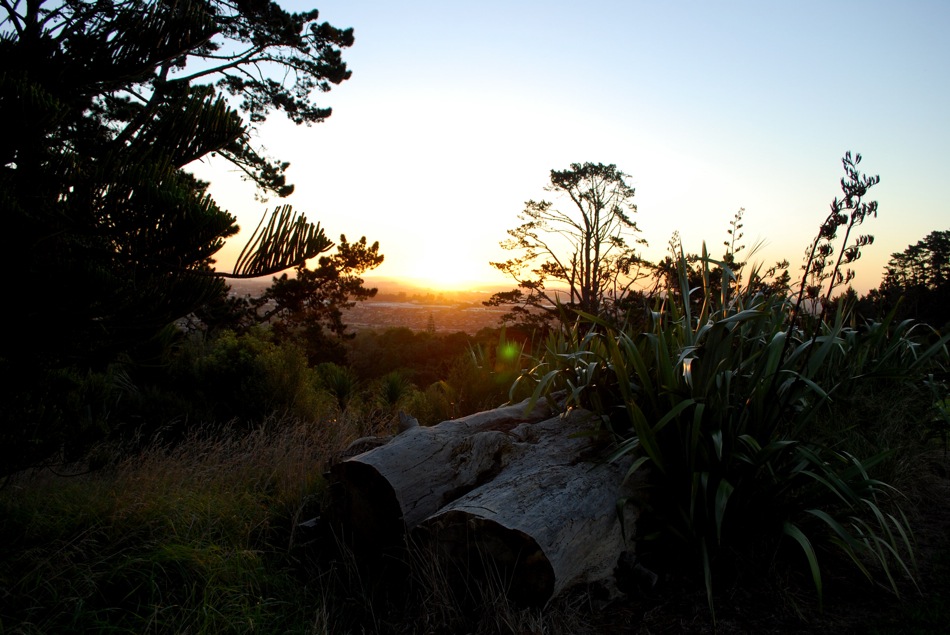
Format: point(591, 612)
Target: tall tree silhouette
point(917, 281)
point(308, 308)
point(108, 239)
point(103, 104)
point(584, 257)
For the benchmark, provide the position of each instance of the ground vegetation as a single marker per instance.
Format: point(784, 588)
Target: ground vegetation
point(796, 450)
point(734, 408)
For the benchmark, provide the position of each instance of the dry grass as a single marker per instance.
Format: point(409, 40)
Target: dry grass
point(197, 537)
point(204, 537)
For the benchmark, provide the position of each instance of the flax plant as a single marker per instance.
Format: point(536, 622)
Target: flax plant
point(717, 400)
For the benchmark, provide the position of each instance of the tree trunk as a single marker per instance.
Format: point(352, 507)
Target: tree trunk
point(523, 496)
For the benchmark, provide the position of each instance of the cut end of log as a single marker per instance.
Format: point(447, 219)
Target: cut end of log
point(366, 508)
point(493, 554)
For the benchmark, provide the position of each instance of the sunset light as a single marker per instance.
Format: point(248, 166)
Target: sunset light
point(446, 277)
point(447, 267)
point(438, 139)
point(339, 316)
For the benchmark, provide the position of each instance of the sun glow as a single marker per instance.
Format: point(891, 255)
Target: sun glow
point(442, 260)
point(451, 276)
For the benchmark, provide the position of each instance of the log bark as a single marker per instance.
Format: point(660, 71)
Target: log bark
point(380, 494)
point(524, 497)
point(547, 522)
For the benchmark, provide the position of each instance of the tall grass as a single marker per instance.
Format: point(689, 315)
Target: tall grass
point(206, 537)
point(200, 531)
point(198, 538)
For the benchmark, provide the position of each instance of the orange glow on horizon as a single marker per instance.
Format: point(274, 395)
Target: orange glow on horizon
point(445, 281)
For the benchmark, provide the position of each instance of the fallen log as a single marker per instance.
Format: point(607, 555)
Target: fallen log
point(523, 496)
point(547, 522)
point(377, 496)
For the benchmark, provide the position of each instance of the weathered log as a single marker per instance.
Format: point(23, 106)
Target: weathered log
point(380, 494)
point(547, 522)
point(524, 496)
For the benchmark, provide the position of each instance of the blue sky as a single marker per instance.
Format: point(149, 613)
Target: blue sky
point(456, 113)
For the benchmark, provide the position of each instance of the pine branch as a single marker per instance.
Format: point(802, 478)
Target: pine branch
point(286, 240)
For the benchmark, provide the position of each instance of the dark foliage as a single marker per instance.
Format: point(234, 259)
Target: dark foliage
point(104, 104)
point(308, 308)
point(916, 282)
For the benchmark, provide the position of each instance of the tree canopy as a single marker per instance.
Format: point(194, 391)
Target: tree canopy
point(584, 257)
point(925, 264)
point(105, 103)
point(308, 308)
point(110, 240)
point(917, 281)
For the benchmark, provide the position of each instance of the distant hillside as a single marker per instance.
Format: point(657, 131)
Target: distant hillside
point(401, 304)
point(252, 287)
point(390, 290)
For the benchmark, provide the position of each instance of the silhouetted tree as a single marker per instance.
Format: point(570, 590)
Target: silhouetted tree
point(308, 308)
point(104, 103)
point(584, 258)
point(109, 239)
point(917, 281)
point(924, 265)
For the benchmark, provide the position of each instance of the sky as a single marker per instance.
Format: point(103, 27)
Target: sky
point(456, 113)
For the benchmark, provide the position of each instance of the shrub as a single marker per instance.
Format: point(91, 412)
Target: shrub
point(393, 390)
point(725, 424)
point(54, 416)
point(718, 400)
point(251, 378)
point(340, 382)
